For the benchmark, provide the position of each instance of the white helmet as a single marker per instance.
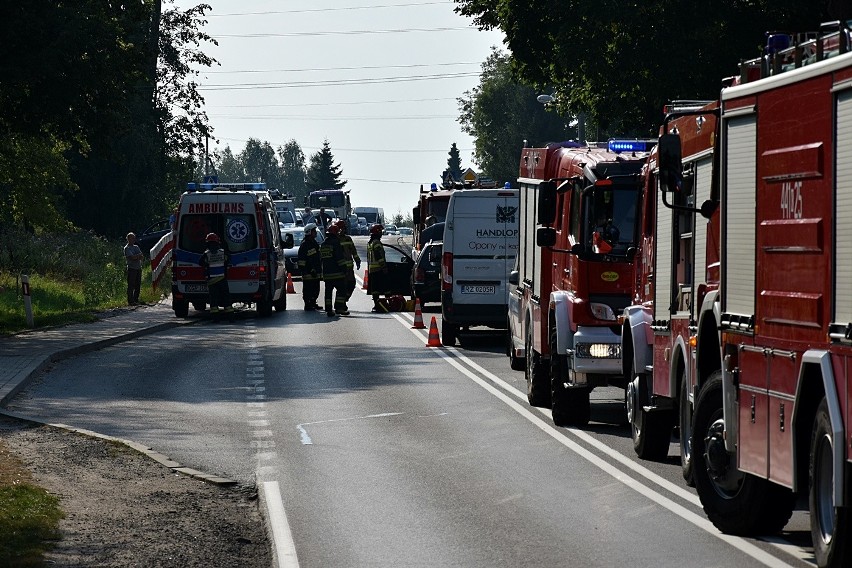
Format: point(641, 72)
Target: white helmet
point(310, 227)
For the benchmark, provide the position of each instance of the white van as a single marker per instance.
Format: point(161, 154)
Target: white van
point(480, 245)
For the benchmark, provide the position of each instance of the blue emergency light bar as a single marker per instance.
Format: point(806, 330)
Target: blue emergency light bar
point(193, 186)
point(616, 145)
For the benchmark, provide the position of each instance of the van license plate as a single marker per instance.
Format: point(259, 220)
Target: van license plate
point(196, 288)
point(467, 289)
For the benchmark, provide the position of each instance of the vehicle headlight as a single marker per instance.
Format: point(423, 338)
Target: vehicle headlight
point(602, 311)
point(598, 350)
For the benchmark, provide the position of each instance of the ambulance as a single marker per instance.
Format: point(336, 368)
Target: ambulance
point(244, 217)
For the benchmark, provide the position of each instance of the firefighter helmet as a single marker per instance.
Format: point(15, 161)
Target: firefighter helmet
point(377, 229)
point(341, 224)
point(212, 238)
point(333, 229)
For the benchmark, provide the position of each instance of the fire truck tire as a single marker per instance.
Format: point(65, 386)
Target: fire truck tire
point(685, 430)
point(568, 406)
point(830, 525)
point(449, 333)
point(515, 363)
point(280, 304)
point(538, 382)
point(735, 502)
point(181, 308)
point(651, 431)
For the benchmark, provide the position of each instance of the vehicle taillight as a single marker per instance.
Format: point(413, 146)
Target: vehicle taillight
point(447, 272)
point(263, 257)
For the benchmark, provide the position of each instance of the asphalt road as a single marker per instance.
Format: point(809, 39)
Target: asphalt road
point(386, 452)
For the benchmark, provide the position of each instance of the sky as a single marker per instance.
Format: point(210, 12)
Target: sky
point(378, 79)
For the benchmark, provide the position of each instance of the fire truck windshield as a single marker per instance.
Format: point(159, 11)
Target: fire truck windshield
point(611, 219)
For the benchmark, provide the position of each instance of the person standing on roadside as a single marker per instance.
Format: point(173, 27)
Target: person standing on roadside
point(376, 266)
point(350, 255)
point(133, 257)
point(215, 260)
point(333, 267)
point(310, 265)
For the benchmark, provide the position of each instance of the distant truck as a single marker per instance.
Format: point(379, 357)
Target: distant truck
point(334, 201)
point(373, 215)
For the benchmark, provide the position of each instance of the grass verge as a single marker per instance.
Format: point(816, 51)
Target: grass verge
point(29, 515)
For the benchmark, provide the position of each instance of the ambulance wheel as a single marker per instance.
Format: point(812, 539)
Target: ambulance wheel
point(735, 502)
point(651, 431)
point(830, 525)
point(538, 382)
point(280, 304)
point(264, 307)
point(181, 308)
point(449, 333)
point(199, 306)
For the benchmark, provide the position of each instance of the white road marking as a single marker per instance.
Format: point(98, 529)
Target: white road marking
point(452, 356)
point(285, 548)
point(306, 440)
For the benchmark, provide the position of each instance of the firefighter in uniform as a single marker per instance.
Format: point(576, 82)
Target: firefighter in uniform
point(376, 266)
point(215, 262)
point(350, 255)
point(333, 268)
point(310, 266)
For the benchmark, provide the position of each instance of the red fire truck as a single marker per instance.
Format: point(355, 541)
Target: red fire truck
point(772, 422)
point(676, 289)
point(430, 210)
point(574, 274)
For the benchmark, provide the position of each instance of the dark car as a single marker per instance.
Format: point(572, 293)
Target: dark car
point(147, 238)
point(426, 275)
point(291, 255)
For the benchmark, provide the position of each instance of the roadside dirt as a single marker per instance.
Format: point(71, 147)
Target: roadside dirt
point(124, 509)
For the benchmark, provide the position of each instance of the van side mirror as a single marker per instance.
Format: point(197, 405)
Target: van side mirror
point(545, 236)
point(670, 162)
point(546, 203)
point(288, 241)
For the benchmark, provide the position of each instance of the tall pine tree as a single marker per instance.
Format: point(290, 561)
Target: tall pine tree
point(454, 169)
point(323, 173)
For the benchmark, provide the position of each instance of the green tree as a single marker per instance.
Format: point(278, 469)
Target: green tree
point(454, 169)
point(323, 173)
point(260, 163)
point(293, 171)
point(619, 62)
point(501, 115)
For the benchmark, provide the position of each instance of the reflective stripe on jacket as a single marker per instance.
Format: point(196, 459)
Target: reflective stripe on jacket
point(310, 260)
point(214, 261)
point(333, 263)
point(350, 253)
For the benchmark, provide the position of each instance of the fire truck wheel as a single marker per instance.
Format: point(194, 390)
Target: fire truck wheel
point(515, 363)
point(449, 333)
point(735, 502)
point(651, 431)
point(538, 382)
point(829, 524)
point(181, 308)
point(685, 429)
point(568, 406)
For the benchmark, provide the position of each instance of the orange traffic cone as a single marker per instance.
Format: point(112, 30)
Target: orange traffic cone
point(366, 275)
point(434, 338)
point(418, 316)
point(290, 288)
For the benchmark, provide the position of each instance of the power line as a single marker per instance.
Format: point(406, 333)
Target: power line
point(354, 68)
point(336, 82)
point(333, 104)
point(378, 151)
point(338, 118)
point(330, 9)
point(347, 32)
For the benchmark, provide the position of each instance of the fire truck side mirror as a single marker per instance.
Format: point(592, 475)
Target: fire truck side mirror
point(708, 208)
point(546, 203)
point(514, 278)
point(669, 162)
point(545, 236)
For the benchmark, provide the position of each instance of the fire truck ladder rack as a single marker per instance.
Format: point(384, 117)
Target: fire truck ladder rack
point(785, 52)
